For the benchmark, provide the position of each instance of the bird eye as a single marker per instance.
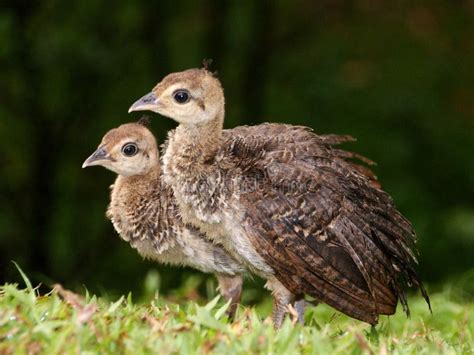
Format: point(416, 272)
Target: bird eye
point(129, 149)
point(181, 96)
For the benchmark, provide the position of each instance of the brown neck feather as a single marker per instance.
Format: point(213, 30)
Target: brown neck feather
point(140, 184)
point(201, 142)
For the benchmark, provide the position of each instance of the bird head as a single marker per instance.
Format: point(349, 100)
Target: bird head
point(128, 150)
point(191, 97)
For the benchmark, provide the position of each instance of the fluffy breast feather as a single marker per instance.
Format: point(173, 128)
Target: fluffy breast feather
point(145, 214)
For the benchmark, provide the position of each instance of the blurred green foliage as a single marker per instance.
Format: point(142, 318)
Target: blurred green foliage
point(397, 75)
point(62, 322)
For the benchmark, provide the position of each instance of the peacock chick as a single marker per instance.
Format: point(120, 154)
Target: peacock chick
point(286, 202)
point(144, 213)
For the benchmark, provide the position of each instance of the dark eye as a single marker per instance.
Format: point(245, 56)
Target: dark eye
point(181, 96)
point(129, 149)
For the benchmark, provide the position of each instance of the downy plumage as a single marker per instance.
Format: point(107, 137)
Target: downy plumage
point(285, 202)
point(144, 213)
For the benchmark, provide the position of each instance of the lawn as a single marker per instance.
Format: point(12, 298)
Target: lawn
point(65, 322)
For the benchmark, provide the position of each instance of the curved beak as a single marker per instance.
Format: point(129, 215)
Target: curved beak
point(146, 103)
point(97, 158)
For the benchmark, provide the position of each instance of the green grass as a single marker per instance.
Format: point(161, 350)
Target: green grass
point(64, 322)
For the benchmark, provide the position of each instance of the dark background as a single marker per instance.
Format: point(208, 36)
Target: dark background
point(398, 75)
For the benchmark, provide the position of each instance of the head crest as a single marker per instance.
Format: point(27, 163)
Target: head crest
point(144, 121)
point(206, 65)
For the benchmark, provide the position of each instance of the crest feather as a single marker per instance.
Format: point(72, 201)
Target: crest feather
point(144, 121)
point(206, 65)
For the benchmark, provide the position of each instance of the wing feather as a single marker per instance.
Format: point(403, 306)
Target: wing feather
point(335, 234)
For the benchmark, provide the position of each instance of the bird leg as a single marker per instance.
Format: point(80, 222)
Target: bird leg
point(300, 307)
point(281, 299)
point(230, 287)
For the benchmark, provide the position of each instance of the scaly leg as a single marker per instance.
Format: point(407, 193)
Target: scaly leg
point(230, 288)
point(300, 307)
point(281, 299)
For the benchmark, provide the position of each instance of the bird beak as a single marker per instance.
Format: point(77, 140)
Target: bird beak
point(97, 158)
point(146, 103)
